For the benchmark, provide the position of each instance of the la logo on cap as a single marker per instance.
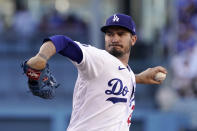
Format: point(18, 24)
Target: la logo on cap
point(115, 19)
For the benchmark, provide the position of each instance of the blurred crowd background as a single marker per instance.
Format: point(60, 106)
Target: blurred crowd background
point(167, 36)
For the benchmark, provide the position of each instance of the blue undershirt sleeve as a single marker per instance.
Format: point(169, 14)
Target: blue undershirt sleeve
point(66, 47)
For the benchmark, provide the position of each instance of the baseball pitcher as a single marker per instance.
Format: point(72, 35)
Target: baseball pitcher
point(104, 93)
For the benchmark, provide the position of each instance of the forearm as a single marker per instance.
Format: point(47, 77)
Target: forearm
point(47, 50)
point(138, 78)
point(146, 77)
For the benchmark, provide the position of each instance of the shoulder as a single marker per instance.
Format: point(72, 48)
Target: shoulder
point(90, 48)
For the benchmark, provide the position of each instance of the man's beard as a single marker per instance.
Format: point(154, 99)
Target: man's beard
point(115, 52)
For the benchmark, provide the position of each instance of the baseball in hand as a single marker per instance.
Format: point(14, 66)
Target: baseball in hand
point(160, 76)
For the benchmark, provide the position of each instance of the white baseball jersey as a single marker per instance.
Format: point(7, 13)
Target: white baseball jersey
point(103, 98)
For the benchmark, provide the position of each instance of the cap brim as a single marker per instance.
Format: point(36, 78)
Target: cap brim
point(104, 28)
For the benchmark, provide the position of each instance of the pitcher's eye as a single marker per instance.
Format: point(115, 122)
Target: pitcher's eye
point(109, 33)
point(120, 33)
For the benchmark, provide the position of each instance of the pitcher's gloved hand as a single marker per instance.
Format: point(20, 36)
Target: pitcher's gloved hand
point(40, 82)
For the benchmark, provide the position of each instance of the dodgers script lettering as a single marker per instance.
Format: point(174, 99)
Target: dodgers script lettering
point(118, 89)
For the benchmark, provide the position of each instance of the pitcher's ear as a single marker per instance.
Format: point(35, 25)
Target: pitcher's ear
point(133, 39)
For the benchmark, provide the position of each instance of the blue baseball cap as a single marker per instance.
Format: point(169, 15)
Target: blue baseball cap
point(120, 20)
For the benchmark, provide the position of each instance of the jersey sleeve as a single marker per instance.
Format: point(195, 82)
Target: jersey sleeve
point(66, 47)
